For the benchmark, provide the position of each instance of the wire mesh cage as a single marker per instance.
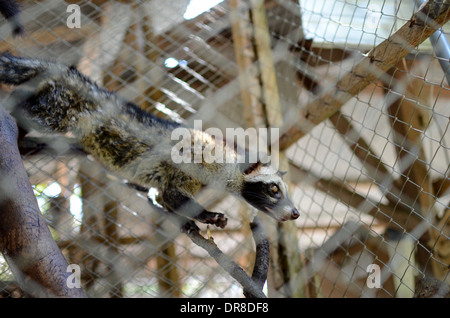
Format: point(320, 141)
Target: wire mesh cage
point(359, 92)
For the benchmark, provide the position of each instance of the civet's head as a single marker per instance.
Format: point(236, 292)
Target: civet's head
point(264, 188)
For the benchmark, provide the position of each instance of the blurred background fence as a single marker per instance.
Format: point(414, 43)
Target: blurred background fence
point(371, 180)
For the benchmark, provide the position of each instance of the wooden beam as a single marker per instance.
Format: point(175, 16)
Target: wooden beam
point(408, 126)
point(379, 60)
point(441, 186)
point(388, 214)
point(375, 168)
point(393, 215)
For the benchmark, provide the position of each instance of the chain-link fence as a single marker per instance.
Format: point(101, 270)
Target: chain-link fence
point(361, 103)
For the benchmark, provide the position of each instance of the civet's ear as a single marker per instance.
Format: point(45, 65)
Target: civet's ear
point(255, 161)
point(265, 159)
point(282, 173)
point(248, 168)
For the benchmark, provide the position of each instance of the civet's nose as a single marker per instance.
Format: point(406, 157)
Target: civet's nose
point(295, 214)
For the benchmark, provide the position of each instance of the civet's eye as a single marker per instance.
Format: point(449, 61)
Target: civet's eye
point(275, 190)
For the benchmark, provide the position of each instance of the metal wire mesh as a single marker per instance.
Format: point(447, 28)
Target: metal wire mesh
point(371, 181)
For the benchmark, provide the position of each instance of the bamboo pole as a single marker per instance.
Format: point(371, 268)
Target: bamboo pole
point(250, 90)
point(283, 238)
point(245, 56)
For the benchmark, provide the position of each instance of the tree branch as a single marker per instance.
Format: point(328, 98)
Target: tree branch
point(252, 286)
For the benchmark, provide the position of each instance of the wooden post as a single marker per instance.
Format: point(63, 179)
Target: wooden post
point(110, 219)
point(282, 236)
point(250, 89)
point(245, 56)
point(409, 123)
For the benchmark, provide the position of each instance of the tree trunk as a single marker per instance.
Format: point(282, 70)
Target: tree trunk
point(25, 240)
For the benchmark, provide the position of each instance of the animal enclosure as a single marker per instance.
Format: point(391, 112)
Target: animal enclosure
point(359, 91)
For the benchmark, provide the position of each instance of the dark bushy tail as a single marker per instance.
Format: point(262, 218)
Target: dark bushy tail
point(16, 70)
point(10, 10)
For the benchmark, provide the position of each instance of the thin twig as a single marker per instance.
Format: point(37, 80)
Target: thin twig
point(250, 286)
point(251, 289)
